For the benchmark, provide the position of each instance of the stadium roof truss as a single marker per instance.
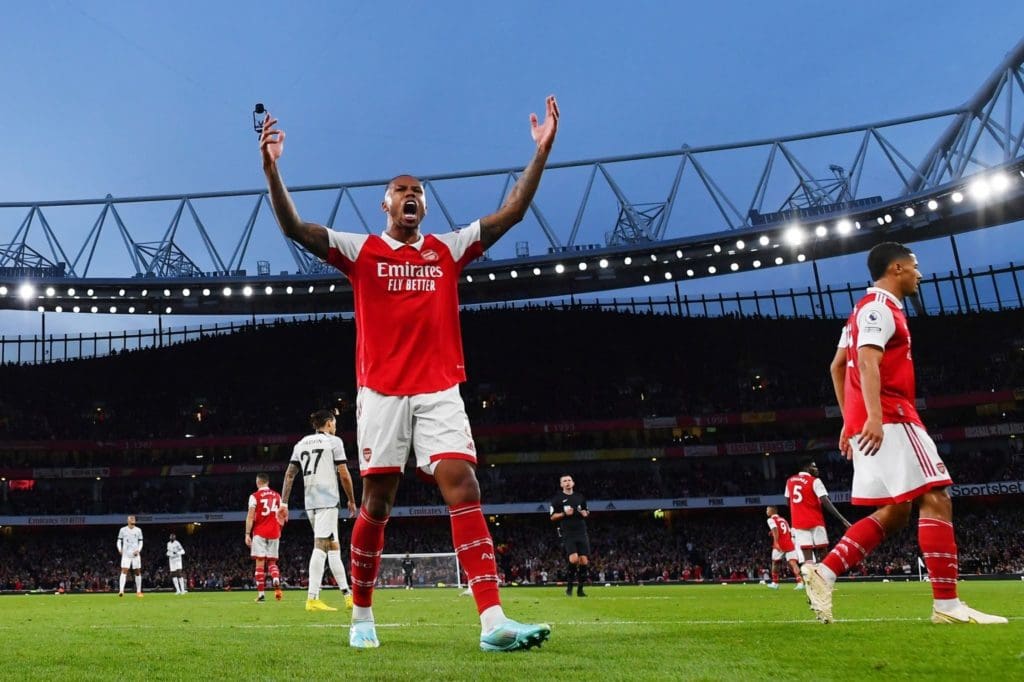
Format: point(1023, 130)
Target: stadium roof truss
point(640, 219)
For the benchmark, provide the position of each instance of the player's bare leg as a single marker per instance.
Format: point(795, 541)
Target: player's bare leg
point(938, 546)
point(474, 548)
point(367, 544)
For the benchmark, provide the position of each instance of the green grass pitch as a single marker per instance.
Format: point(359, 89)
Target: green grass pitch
point(714, 632)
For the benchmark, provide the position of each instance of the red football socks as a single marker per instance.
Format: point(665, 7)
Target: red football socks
point(367, 544)
point(938, 545)
point(261, 577)
point(475, 550)
point(860, 539)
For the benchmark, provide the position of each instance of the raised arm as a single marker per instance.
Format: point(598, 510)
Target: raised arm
point(309, 235)
point(514, 209)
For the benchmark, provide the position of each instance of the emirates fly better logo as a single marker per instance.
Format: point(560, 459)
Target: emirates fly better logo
point(410, 276)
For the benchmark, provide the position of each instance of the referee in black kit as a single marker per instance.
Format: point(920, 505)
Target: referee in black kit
point(569, 511)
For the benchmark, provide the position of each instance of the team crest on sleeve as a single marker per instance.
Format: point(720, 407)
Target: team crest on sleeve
point(367, 454)
point(873, 316)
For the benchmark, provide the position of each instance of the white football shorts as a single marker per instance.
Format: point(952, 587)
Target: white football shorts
point(807, 538)
point(131, 562)
point(904, 468)
point(795, 554)
point(324, 522)
point(175, 563)
point(264, 548)
point(435, 425)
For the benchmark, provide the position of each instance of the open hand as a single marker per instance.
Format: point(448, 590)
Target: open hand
point(544, 133)
point(870, 438)
point(271, 141)
point(844, 445)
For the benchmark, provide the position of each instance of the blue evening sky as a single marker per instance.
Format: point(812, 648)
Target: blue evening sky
point(137, 98)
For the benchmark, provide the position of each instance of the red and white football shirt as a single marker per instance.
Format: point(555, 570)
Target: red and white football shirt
point(785, 541)
point(878, 320)
point(266, 502)
point(408, 339)
point(804, 492)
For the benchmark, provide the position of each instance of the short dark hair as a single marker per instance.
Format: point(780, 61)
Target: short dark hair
point(882, 255)
point(773, 508)
point(400, 175)
point(321, 417)
point(263, 476)
point(807, 463)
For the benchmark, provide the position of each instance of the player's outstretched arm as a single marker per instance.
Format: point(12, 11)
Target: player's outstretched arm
point(310, 235)
point(514, 209)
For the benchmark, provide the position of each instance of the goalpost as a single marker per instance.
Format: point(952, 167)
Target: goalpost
point(430, 570)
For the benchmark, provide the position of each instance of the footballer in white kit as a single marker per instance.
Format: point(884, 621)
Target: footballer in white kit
point(174, 553)
point(320, 458)
point(129, 545)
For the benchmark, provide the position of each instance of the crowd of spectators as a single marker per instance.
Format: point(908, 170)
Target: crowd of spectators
point(524, 365)
point(510, 483)
point(627, 547)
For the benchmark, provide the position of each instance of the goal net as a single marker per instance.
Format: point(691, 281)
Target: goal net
point(428, 570)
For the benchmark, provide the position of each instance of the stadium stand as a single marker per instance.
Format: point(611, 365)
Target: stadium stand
point(635, 406)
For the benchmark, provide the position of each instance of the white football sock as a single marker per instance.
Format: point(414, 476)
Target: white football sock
point(316, 572)
point(124, 579)
point(338, 569)
point(827, 573)
point(492, 617)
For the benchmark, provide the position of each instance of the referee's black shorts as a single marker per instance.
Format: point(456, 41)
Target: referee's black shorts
point(576, 543)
